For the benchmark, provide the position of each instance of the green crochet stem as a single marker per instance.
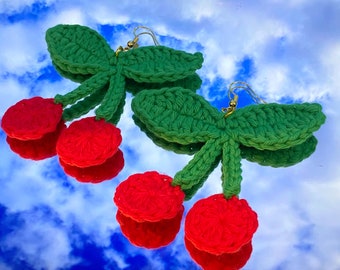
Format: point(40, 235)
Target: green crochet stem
point(83, 55)
point(178, 116)
point(113, 97)
point(192, 176)
point(85, 105)
point(89, 87)
point(231, 168)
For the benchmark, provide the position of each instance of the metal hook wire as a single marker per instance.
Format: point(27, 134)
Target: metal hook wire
point(234, 99)
point(134, 43)
point(148, 32)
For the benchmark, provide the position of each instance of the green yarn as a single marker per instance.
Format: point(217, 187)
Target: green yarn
point(192, 82)
point(177, 115)
point(83, 106)
point(194, 174)
point(188, 149)
point(158, 64)
point(90, 86)
point(275, 126)
point(280, 158)
point(83, 55)
point(180, 117)
point(78, 49)
point(231, 168)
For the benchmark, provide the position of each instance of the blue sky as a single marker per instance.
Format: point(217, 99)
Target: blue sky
point(287, 50)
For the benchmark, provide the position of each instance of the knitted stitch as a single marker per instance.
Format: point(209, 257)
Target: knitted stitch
point(179, 116)
point(24, 120)
point(226, 261)
point(227, 224)
point(148, 197)
point(88, 142)
point(150, 234)
point(99, 173)
point(81, 54)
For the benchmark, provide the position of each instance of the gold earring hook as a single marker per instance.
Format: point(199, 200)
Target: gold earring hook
point(132, 44)
point(234, 99)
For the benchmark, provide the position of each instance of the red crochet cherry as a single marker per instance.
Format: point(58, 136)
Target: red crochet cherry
point(88, 142)
point(150, 234)
point(37, 149)
point(226, 261)
point(99, 173)
point(149, 197)
point(31, 119)
point(218, 225)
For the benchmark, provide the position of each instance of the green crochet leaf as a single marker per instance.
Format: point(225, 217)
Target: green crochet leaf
point(275, 126)
point(177, 115)
point(188, 149)
point(192, 82)
point(79, 78)
point(78, 49)
point(158, 64)
point(280, 158)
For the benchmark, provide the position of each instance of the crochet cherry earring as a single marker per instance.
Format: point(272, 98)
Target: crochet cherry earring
point(88, 150)
point(148, 205)
point(32, 127)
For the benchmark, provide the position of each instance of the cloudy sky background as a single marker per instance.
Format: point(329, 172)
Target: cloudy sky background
point(287, 50)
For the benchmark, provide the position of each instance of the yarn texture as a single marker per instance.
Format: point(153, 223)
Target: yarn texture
point(227, 224)
point(38, 149)
point(149, 197)
point(83, 55)
point(88, 142)
point(178, 117)
point(280, 158)
point(226, 261)
point(150, 234)
point(31, 119)
point(98, 173)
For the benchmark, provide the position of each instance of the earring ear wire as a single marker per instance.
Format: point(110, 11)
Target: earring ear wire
point(132, 44)
point(233, 97)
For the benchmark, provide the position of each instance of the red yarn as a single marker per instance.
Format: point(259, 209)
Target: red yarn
point(37, 149)
point(150, 234)
point(99, 173)
point(88, 142)
point(31, 119)
point(226, 261)
point(149, 197)
point(218, 225)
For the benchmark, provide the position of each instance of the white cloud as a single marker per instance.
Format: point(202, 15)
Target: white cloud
point(39, 239)
point(21, 48)
point(17, 6)
point(295, 51)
